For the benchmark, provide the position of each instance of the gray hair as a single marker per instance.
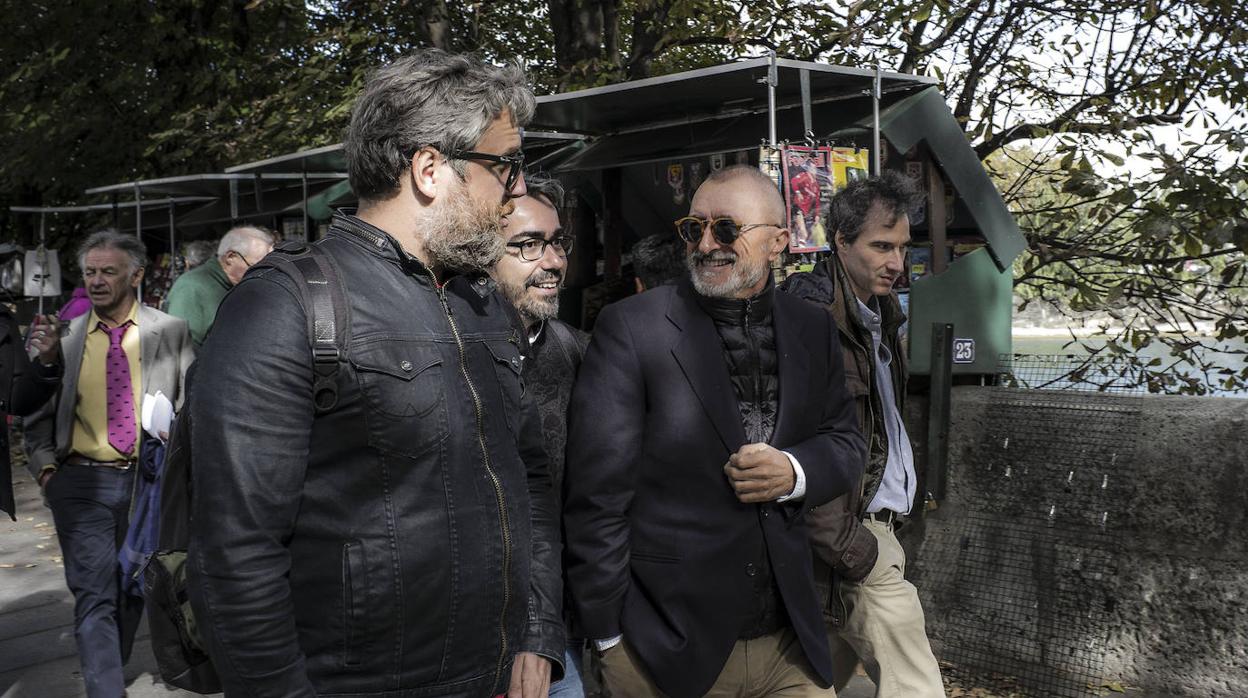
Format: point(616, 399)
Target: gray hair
point(109, 237)
point(244, 239)
point(197, 252)
point(541, 186)
point(428, 97)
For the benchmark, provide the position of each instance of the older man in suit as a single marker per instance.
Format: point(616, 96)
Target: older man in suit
point(708, 417)
point(84, 444)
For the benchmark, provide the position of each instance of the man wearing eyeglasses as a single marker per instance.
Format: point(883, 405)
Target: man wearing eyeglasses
point(530, 275)
point(402, 538)
point(196, 294)
point(707, 420)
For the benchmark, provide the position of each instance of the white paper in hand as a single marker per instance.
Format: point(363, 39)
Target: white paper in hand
point(157, 414)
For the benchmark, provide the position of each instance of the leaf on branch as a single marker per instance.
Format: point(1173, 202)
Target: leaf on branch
point(1192, 245)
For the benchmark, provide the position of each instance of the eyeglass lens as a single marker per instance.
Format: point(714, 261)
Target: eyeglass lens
point(533, 249)
point(513, 174)
point(724, 230)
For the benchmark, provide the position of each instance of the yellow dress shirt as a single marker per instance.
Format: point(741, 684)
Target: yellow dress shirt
point(90, 439)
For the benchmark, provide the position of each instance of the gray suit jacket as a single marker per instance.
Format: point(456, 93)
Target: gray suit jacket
point(166, 353)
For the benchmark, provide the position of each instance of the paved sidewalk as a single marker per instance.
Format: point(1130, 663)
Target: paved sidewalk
point(37, 653)
point(38, 658)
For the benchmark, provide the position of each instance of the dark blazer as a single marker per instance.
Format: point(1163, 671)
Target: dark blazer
point(658, 547)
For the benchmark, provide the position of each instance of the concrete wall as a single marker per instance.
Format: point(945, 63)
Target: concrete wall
point(1116, 544)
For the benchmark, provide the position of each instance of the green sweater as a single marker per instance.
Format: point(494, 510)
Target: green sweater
point(196, 295)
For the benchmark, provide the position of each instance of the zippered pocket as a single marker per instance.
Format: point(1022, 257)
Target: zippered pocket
point(353, 586)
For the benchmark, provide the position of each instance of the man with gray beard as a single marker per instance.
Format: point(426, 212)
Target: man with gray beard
point(707, 419)
point(376, 517)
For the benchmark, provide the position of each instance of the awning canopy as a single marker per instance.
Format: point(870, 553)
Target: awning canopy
point(725, 108)
point(329, 158)
point(728, 91)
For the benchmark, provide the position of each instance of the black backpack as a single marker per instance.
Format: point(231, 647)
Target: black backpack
point(181, 656)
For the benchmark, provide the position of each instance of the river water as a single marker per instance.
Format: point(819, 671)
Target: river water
point(1221, 355)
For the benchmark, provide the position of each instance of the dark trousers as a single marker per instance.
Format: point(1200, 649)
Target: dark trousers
point(91, 507)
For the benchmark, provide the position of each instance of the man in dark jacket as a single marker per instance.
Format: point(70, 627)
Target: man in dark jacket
point(530, 275)
point(25, 384)
point(707, 419)
point(404, 541)
point(873, 613)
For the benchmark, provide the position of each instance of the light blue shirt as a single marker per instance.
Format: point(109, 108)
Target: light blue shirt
point(896, 490)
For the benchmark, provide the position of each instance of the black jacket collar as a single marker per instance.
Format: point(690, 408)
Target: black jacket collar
point(380, 243)
point(736, 311)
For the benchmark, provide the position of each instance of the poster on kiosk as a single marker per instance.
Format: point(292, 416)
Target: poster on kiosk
point(812, 176)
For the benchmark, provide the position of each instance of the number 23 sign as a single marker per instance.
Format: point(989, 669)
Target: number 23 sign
point(963, 350)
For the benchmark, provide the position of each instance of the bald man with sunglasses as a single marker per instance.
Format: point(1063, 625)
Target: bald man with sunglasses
point(707, 420)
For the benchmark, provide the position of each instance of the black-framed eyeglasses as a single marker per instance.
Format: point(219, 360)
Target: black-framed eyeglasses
point(515, 163)
point(532, 249)
point(724, 230)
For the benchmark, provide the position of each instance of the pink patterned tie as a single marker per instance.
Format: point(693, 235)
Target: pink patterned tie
point(120, 396)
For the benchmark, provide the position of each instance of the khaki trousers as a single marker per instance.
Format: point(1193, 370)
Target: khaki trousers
point(885, 628)
point(771, 665)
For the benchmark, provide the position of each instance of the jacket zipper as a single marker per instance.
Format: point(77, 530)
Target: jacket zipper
point(756, 354)
point(489, 469)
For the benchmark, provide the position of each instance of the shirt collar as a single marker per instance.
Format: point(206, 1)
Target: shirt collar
point(93, 323)
point(870, 316)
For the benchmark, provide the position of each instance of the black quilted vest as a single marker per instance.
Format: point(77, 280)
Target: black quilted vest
point(749, 341)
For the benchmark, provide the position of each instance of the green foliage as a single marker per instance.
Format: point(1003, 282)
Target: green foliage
point(1063, 101)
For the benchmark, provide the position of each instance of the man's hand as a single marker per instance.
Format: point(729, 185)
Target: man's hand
point(45, 477)
point(530, 676)
point(45, 338)
point(759, 473)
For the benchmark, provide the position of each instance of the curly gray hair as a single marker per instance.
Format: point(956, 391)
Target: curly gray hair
point(108, 237)
point(429, 97)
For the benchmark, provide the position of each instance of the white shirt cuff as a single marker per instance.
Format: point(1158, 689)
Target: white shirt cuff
point(604, 645)
point(799, 480)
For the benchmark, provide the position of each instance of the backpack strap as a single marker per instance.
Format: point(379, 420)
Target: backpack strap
point(327, 312)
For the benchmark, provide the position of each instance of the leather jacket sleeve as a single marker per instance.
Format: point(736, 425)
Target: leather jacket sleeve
point(544, 632)
point(839, 539)
point(251, 411)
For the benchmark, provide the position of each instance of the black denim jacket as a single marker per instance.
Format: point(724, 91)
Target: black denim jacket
point(405, 543)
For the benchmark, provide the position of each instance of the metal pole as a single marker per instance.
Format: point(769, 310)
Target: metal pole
point(773, 79)
point(138, 226)
point(43, 257)
point(307, 237)
point(875, 122)
point(233, 201)
point(173, 245)
point(138, 211)
point(808, 127)
point(938, 409)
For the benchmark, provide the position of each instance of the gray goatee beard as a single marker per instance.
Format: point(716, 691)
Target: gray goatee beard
point(743, 276)
point(464, 236)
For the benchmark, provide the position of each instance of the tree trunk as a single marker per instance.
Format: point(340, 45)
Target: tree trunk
point(586, 36)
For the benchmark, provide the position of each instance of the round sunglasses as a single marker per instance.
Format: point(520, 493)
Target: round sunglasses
point(724, 230)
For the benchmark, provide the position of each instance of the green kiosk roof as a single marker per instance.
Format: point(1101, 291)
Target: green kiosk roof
point(725, 108)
